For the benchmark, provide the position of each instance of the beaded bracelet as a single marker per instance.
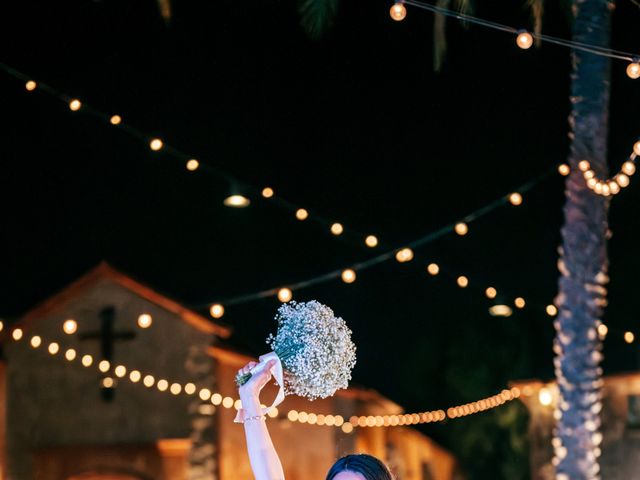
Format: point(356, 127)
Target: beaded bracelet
point(255, 417)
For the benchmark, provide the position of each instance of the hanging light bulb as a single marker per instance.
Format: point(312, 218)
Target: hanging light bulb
point(520, 302)
point(433, 269)
point(371, 241)
point(584, 165)
point(115, 120)
point(462, 281)
point(284, 295)
point(348, 276)
point(156, 144)
point(70, 326)
point(603, 330)
point(614, 188)
point(545, 397)
point(622, 180)
point(404, 255)
point(551, 310)
point(302, 214)
point(237, 201)
point(337, 229)
point(193, 165)
point(500, 311)
point(461, 229)
point(515, 199)
point(398, 11)
point(629, 337)
point(30, 85)
point(564, 169)
point(524, 40)
point(629, 168)
point(145, 320)
point(491, 292)
point(74, 105)
point(216, 310)
point(633, 70)
point(267, 192)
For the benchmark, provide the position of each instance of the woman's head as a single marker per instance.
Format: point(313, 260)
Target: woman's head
point(359, 467)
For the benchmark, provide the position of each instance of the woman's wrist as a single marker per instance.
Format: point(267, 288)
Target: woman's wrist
point(250, 403)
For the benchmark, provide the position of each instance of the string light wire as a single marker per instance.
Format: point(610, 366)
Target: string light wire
point(594, 49)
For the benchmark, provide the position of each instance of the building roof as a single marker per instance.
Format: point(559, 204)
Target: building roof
point(105, 271)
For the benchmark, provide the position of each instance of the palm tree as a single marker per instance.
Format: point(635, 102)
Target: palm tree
point(583, 256)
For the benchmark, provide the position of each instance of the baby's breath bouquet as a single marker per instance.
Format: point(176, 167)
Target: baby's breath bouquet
point(315, 349)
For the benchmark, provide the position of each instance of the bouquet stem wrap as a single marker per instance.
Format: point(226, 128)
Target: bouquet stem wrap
point(278, 375)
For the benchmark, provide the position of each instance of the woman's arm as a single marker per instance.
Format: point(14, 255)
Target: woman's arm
point(264, 459)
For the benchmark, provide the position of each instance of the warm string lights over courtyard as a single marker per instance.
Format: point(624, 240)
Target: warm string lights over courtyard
point(524, 39)
point(112, 373)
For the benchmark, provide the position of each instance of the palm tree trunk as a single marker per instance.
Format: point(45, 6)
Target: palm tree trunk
point(583, 257)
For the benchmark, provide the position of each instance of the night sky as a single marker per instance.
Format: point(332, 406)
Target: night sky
point(357, 128)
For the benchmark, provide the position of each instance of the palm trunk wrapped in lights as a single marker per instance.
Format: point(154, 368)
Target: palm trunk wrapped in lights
point(583, 263)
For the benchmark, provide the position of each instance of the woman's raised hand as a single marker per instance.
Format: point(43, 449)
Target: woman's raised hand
point(257, 381)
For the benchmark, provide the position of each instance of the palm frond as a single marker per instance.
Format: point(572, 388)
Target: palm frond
point(537, 11)
point(440, 28)
point(165, 9)
point(317, 16)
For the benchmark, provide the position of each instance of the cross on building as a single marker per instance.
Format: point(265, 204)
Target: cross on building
point(108, 336)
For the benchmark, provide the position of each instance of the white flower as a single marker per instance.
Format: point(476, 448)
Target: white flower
point(315, 348)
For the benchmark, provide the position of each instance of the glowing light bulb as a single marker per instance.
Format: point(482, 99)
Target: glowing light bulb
point(524, 40)
point(292, 416)
point(36, 341)
point(87, 360)
point(175, 389)
point(614, 188)
point(162, 385)
point(500, 311)
point(54, 348)
point(267, 192)
point(462, 281)
point(216, 399)
point(104, 366)
point(115, 120)
point(284, 295)
point(629, 168)
point(347, 428)
point(70, 354)
point(120, 371)
point(17, 334)
point(70, 326)
point(371, 241)
point(107, 382)
point(603, 330)
point(551, 310)
point(348, 276)
point(589, 174)
point(156, 144)
point(189, 389)
point(216, 310)
point(636, 148)
point(515, 199)
point(148, 381)
point(591, 183)
point(545, 397)
point(145, 320)
point(633, 70)
point(302, 214)
point(606, 191)
point(337, 229)
point(491, 292)
point(205, 394)
point(30, 85)
point(520, 302)
point(135, 376)
point(404, 255)
point(398, 12)
point(237, 201)
point(461, 228)
point(629, 337)
point(584, 165)
point(433, 269)
point(227, 402)
point(74, 105)
point(564, 169)
point(622, 180)
point(193, 164)
point(598, 188)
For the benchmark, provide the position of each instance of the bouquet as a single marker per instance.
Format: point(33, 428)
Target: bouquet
point(313, 349)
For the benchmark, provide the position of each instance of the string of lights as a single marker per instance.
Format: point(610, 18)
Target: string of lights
point(614, 184)
point(404, 254)
point(114, 373)
point(241, 191)
point(524, 38)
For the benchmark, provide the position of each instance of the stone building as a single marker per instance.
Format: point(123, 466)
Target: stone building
point(110, 380)
point(620, 415)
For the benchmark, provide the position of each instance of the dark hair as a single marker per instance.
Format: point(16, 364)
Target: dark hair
point(368, 466)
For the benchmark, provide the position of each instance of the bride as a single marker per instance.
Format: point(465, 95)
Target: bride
point(262, 454)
